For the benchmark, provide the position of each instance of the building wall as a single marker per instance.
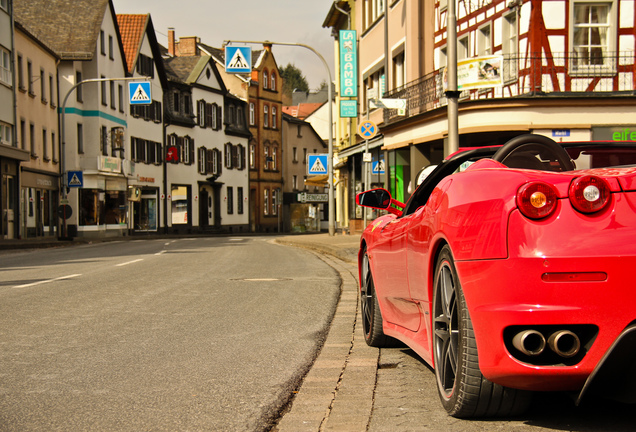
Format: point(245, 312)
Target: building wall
point(37, 133)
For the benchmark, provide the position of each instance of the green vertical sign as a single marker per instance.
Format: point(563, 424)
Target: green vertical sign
point(348, 63)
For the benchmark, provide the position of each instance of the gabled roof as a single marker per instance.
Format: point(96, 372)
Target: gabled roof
point(69, 27)
point(178, 69)
point(188, 69)
point(303, 110)
point(132, 29)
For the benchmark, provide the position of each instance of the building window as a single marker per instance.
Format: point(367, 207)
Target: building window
point(120, 90)
point(20, 74)
point(484, 40)
point(252, 114)
point(52, 91)
point(110, 47)
point(42, 87)
point(78, 90)
point(230, 200)
point(228, 155)
point(23, 141)
point(102, 42)
point(214, 116)
point(274, 202)
point(273, 83)
point(274, 119)
point(265, 74)
point(201, 113)
point(304, 155)
point(6, 136)
point(252, 156)
point(274, 158)
point(175, 101)
point(265, 116)
point(239, 200)
point(509, 46)
point(591, 33)
point(266, 154)
point(54, 151)
point(399, 71)
point(104, 95)
point(112, 95)
point(295, 155)
point(240, 157)
point(32, 148)
point(295, 182)
point(4, 4)
point(45, 146)
point(463, 50)
point(29, 76)
point(187, 104)
point(104, 140)
point(266, 202)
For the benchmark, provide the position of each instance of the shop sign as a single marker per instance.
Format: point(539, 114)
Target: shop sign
point(348, 63)
point(312, 198)
point(349, 108)
point(109, 164)
point(479, 72)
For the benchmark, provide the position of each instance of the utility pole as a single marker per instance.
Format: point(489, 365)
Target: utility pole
point(332, 207)
point(451, 92)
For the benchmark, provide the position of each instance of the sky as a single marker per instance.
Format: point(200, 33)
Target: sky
point(215, 21)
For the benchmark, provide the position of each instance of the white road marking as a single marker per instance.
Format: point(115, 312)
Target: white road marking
point(47, 281)
point(129, 262)
point(161, 253)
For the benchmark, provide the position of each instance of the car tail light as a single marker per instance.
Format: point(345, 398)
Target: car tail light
point(537, 200)
point(589, 194)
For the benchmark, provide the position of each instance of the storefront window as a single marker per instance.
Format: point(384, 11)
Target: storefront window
point(115, 207)
point(180, 196)
point(91, 202)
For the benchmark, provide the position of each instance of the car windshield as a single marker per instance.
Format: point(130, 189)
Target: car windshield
point(602, 155)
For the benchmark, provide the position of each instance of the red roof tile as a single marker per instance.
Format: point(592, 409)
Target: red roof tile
point(132, 28)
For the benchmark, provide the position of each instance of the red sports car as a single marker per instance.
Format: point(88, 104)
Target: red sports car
point(510, 270)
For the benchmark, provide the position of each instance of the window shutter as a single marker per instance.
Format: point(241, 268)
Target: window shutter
point(208, 115)
point(190, 150)
point(219, 118)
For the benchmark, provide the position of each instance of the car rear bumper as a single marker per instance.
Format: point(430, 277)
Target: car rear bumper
point(569, 271)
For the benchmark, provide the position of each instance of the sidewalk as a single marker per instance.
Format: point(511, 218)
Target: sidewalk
point(337, 393)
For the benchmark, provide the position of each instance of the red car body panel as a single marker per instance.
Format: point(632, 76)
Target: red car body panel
point(502, 258)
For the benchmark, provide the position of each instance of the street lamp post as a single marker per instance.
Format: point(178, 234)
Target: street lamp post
point(63, 134)
point(332, 207)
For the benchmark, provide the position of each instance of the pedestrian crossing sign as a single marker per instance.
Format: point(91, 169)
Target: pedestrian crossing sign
point(139, 93)
point(377, 167)
point(238, 59)
point(75, 179)
point(317, 164)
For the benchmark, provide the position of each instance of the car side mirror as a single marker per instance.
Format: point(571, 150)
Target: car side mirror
point(375, 198)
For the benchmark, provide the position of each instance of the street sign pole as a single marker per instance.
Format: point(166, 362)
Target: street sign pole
point(332, 205)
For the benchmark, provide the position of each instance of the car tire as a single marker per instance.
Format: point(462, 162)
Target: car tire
point(371, 314)
point(463, 390)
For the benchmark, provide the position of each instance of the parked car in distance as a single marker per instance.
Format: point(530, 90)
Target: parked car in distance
point(510, 271)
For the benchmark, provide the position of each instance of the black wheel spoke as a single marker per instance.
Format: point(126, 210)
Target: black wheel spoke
point(446, 332)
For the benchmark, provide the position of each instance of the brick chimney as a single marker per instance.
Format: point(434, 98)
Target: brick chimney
point(188, 46)
point(171, 48)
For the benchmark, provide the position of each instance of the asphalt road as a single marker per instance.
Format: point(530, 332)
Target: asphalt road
point(187, 334)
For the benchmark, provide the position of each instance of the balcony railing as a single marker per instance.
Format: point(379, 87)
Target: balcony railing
point(565, 74)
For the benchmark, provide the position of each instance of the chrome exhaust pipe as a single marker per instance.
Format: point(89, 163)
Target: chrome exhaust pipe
point(565, 343)
point(529, 342)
